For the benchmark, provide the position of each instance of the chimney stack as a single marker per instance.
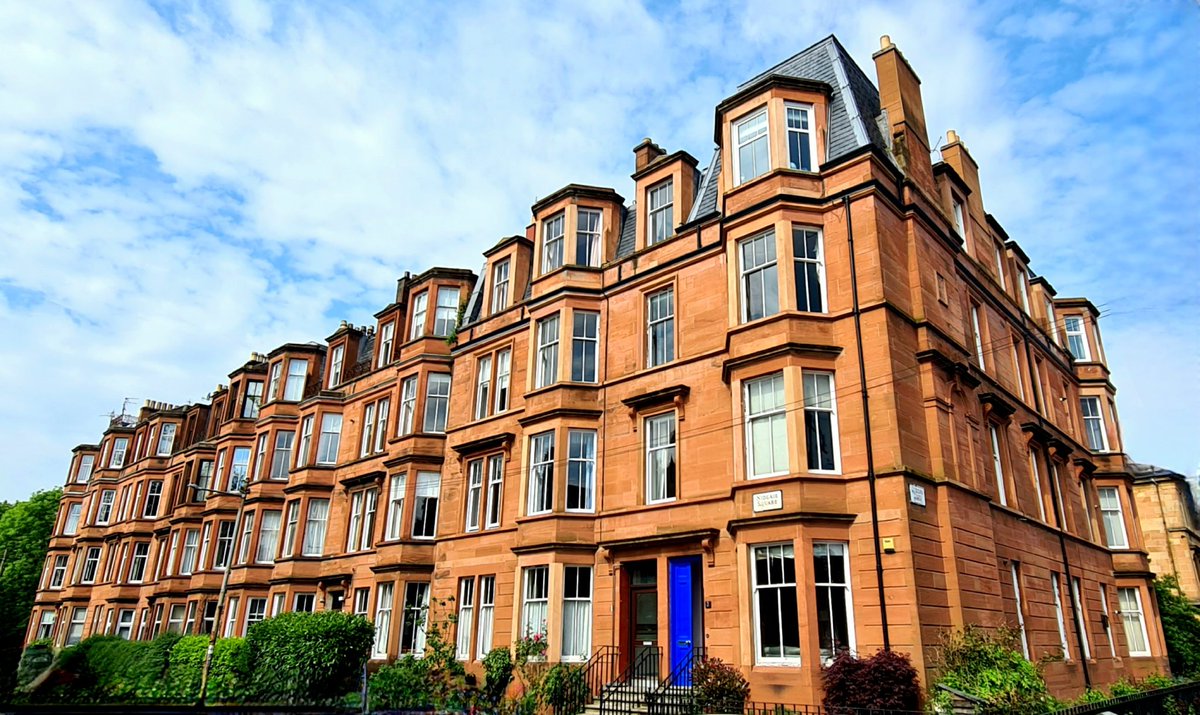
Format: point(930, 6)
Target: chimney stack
point(900, 99)
point(645, 154)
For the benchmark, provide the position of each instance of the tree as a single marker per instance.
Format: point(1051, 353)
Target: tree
point(25, 529)
point(1181, 627)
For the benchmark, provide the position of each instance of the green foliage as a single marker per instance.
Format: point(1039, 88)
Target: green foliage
point(498, 673)
point(36, 658)
point(719, 688)
point(402, 685)
point(308, 658)
point(990, 665)
point(25, 529)
point(562, 684)
point(1181, 627)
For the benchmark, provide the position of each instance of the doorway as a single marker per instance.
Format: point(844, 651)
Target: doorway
point(642, 634)
point(685, 610)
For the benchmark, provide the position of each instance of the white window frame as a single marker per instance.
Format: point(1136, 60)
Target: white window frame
point(395, 515)
point(774, 416)
point(759, 273)
point(587, 237)
point(108, 499)
point(1074, 327)
point(660, 212)
point(166, 437)
point(535, 601)
point(547, 351)
point(293, 386)
point(978, 336)
point(541, 474)
point(1000, 266)
point(495, 491)
point(305, 446)
point(387, 337)
point(960, 217)
point(268, 536)
point(659, 486)
point(1112, 517)
point(437, 402)
point(1015, 572)
point(813, 405)
point(581, 469)
point(483, 386)
point(474, 500)
point(553, 238)
point(500, 286)
point(1092, 411)
point(785, 549)
point(316, 523)
point(291, 527)
point(329, 441)
point(1080, 617)
point(763, 133)
point(806, 132)
point(1106, 622)
point(1133, 616)
point(239, 468)
point(416, 327)
point(188, 555)
point(445, 314)
point(116, 459)
point(336, 360)
point(281, 454)
point(154, 490)
point(466, 618)
point(1052, 321)
point(585, 333)
point(384, 596)
point(1056, 586)
point(58, 572)
point(503, 376)
point(71, 521)
point(830, 547)
point(83, 473)
point(408, 406)
point(660, 327)
point(426, 499)
point(577, 614)
point(998, 463)
point(487, 615)
point(802, 259)
point(416, 607)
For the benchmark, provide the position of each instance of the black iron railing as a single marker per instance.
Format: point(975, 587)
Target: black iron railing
point(1175, 700)
point(631, 688)
point(601, 669)
point(754, 707)
point(674, 695)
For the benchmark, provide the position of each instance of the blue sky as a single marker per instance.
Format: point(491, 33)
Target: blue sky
point(183, 183)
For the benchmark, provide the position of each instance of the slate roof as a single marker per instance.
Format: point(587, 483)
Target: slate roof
point(628, 239)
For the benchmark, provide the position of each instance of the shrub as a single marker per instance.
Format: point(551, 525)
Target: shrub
point(309, 658)
point(990, 666)
point(886, 680)
point(498, 673)
point(562, 685)
point(719, 688)
point(402, 685)
point(36, 657)
point(1181, 628)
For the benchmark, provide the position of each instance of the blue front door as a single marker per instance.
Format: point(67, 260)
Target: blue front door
point(683, 590)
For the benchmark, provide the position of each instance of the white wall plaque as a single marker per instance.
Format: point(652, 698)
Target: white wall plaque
point(768, 501)
point(916, 494)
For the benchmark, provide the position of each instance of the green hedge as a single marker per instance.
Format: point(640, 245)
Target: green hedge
point(308, 657)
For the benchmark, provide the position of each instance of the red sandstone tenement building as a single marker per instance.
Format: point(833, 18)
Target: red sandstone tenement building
point(731, 412)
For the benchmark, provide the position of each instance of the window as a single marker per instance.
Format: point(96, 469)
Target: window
point(1023, 288)
point(84, 472)
point(552, 243)
point(166, 436)
point(204, 475)
point(483, 386)
point(1052, 322)
point(191, 546)
point(585, 343)
point(474, 493)
point(412, 632)
point(495, 490)
point(577, 613)
point(124, 624)
point(91, 564)
point(1105, 622)
point(304, 603)
point(387, 335)
point(801, 151)
point(335, 366)
point(281, 458)
point(1080, 621)
point(239, 468)
point(752, 155)
point(417, 328)
point(244, 544)
point(660, 327)
point(274, 380)
point(1058, 615)
point(534, 606)
point(766, 426)
point(998, 464)
point(1110, 515)
point(760, 285)
point(116, 460)
point(445, 317)
point(58, 573)
point(268, 537)
point(71, 525)
point(361, 533)
point(437, 402)
point(581, 470)
point(331, 439)
point(466, 618)
point(45, 628)
point(960, 225)
point(977, 336)
point(776, 612)
point(500, 286)
point(1015, 572)
point(205, 539)
point(383, 620)
point(660, 458)
point(368, 430)
point(1076, 340)
point(291, 526)
point(104, 512)
point(541, 474)
point(587, 238)
point(1000, 266)
point(293, 389)
point(503, 366)
point(820, 421)
point(660, 212)
point(176, 615)
point(425, 505)
point(408, 405)
point(809, 268)
point(1129, 600)
point(225, 533)
point(487, 607)
point(362, 602)
point(75, 627)
point(256, 610)
point(1017, 370)
point(547, 351)
point(153, 498)
point(835, 607)
point(314, 527)
point(395, 513)
point(1093, 424)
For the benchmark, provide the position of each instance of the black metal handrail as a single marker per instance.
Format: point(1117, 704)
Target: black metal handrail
point(634, 684)
point(601, 669)
point(674, 695)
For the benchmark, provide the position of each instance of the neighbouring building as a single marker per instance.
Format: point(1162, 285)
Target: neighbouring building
point(806, 396)
point(1170, 525)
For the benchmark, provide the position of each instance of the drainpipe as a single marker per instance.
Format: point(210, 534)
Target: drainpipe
point(862, 381)
point(1162, 514)
point(1059, 512)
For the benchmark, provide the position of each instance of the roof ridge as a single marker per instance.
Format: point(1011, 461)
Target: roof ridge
point(777, 65)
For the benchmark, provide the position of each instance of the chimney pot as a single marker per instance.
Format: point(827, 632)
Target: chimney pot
point(885, 41)
point(951, 136)
point(645, 153)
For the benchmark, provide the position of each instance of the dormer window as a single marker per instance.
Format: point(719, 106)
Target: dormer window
point(166, 438)
point(1023, 289)
point(959, 222)
point(500, 286)
point(661, 212)
point(335, 366)
point(800, 138)
point(387, 333)
point(1076, 340)
point(417, 327)
point(445, 316)
point(273, 383)
point(251, 400)
point(752, 155)
point(552, 243)
point(587, 238)
point(1000, 267)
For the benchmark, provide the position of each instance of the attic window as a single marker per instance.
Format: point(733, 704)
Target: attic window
point(661, 212)
point(800, 137)
point(751, 156)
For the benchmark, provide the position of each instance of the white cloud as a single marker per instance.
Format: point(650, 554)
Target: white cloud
point(179, 189)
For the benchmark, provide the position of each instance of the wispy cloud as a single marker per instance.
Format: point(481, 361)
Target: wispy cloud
point(181, 183)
